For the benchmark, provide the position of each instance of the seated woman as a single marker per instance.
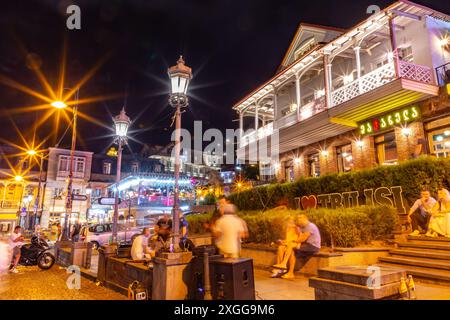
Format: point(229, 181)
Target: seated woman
point(439, 222)
point(286, 246)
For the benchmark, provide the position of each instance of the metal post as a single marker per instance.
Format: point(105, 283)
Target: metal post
point(37, 200)
point(116, 194)
point(207, 283)
point(65, 235)
point(176, 205)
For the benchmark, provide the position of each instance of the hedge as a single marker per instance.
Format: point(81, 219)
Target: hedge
point(414, 175)
point(346, 227)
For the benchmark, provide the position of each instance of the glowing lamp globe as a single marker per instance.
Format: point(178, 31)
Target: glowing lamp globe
point(121, 124)
point(179, 75)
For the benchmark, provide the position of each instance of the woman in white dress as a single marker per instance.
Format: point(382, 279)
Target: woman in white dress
point(439, 222)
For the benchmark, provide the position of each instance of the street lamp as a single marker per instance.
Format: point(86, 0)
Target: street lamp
point(62, 105)
point(18, 178)
point(179, 75)
point(121, 124)
point(59, 104)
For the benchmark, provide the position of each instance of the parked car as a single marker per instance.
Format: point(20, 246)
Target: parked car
point(100, 234)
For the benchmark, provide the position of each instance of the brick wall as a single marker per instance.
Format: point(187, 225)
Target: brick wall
point(407, 145)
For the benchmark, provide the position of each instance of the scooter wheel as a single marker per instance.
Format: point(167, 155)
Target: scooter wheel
point(45, 261)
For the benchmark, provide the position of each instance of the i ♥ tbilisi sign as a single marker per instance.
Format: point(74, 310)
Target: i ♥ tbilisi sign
point(381, 196)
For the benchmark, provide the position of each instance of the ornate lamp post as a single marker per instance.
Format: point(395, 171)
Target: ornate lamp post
point(121, 125)
point(179, 75)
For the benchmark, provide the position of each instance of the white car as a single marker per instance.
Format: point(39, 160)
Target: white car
point(101, 234)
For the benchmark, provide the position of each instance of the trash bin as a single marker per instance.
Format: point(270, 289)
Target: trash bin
point(233, 279)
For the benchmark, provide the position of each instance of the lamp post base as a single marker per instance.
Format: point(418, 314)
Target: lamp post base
point(173, 271)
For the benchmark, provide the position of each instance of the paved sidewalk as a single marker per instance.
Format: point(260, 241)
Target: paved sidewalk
point(31, 283)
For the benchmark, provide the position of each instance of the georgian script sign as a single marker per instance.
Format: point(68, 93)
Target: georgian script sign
point(381, 196)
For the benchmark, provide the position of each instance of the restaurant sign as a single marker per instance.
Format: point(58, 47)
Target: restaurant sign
point(381, 196)
point(390, 120)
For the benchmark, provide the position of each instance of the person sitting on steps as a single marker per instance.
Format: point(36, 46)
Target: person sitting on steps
point(291, 236)
point(307, 244)
point(420, 219)
point(439, 221)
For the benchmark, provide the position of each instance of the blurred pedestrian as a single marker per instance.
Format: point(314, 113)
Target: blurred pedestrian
point(140, 249)
point(15, 243)
point(5, 256)
point(229, 231)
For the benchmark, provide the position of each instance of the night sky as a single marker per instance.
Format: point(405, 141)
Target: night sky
point(232, 47)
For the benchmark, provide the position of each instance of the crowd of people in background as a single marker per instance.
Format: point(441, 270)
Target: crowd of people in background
point(430, 216)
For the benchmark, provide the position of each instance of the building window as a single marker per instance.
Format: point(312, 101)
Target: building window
point(440, 143)
point(314, 165)
point(157, 168)
point(406, 54)
point(107, 167)
point(344, 158)
point(57, 192)
point(78, 163)
point(135, 167)
point(386, 148)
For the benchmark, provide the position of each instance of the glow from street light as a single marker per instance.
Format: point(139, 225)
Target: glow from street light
point(406, 132)
point(18, 178)
point(31, 152)
point(58, 104)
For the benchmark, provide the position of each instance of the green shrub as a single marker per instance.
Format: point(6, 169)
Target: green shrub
point(347, 227)
point(413, 176)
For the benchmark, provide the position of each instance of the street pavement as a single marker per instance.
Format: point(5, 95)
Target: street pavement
point(31, 283)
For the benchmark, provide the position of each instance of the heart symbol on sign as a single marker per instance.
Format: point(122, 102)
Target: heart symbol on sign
point(309, 202)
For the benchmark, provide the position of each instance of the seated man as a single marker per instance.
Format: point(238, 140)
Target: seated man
point(421, 218)
point(307, 244)
point(291, 236)
point(140, 249)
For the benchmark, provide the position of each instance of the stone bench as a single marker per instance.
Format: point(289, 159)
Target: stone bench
point(265, 256)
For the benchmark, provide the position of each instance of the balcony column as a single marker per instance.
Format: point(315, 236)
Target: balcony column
point(298, 95)
point(263, 120)
point(256, 117)
point(241, 124)
point(328, 80)
point(393, 38)
point(357, 50)
point(275, 106)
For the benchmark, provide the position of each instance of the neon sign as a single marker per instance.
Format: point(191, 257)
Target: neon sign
point(389, 120)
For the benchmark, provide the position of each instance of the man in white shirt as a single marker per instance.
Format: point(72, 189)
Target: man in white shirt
point(421, 218)
point(229, 230)
point(15, 242)
point(140, 249)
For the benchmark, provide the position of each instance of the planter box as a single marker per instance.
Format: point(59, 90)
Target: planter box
point(69, 253)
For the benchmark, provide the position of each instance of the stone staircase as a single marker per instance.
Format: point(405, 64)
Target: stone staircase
point(426, 259)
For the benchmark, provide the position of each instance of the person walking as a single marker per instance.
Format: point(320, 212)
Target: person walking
point(229, 231)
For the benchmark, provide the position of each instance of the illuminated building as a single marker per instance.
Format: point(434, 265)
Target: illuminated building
point(341, 99)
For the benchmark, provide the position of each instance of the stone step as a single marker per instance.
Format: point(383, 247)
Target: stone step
point(442, 240)
point(327, 289)
point(424, 245)
point(429, 254)
point(419, 262)
point(359, 274)
point(430, 275)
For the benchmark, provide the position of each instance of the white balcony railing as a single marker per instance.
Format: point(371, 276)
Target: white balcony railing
point(380, 77)
point(253, 136)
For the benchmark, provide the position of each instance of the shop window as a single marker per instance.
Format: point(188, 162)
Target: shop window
point(406, 54)
point(314, 165)
point(344, 158)
point(289, 173)
point(386, 148)
point(440, 143)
